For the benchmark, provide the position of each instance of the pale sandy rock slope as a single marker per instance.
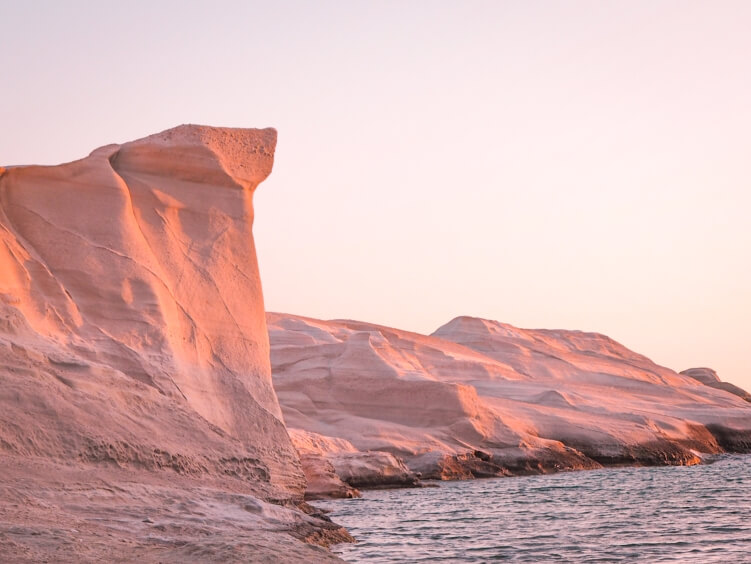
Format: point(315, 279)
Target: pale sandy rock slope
point(709, 377)
point(482, 398)
point(134, 361)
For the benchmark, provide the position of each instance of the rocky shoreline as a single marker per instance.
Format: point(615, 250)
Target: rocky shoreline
point(372, 406)
point(150, 409)
point(480, 465)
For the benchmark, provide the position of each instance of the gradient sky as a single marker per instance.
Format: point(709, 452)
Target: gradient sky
point(579, 165)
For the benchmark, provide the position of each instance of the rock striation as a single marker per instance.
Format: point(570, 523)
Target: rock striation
point(132, 328)
point(479, 398)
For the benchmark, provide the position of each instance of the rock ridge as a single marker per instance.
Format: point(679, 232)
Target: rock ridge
point(479, 398)
point(709, 377)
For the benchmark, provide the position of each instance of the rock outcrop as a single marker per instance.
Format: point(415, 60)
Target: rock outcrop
point(335, 468)
point(132, 328)
point(479, 398)
point(709, 377)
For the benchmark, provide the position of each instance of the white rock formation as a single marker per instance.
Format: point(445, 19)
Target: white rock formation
point(480, 398)
point(709, 377)
point(132, 328)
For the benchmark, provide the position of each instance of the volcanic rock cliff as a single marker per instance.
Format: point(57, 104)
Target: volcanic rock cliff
point(480, 398)
point(133, 340)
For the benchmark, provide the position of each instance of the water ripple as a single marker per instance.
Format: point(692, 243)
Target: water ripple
point(687, 514)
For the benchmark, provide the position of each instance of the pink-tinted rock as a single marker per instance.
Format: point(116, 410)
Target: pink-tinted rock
point(481, 398)
point(133, 348)
point(709, 377)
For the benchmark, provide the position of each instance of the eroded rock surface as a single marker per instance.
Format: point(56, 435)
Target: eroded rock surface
point(479, 398)
point(709, 377)
point(132, 328)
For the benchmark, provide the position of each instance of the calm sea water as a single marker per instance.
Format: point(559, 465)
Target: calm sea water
point(680, 514)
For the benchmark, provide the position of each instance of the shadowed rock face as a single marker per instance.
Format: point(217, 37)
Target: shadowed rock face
point(480, 398)
point(709, 377)
point(132, 328)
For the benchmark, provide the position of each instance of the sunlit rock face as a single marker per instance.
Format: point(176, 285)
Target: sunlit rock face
point(481, 398)
point(132, 328)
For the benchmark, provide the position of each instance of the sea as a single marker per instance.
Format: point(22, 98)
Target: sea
point(646, 514)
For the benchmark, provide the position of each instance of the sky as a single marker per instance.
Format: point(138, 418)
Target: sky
point(577, 165)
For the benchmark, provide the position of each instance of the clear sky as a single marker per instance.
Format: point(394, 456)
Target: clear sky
point(579, 165)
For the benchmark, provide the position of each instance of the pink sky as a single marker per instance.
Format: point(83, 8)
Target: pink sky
point(580, 165)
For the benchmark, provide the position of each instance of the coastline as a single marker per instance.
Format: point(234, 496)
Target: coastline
point(698, 459)
point(618, 514)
